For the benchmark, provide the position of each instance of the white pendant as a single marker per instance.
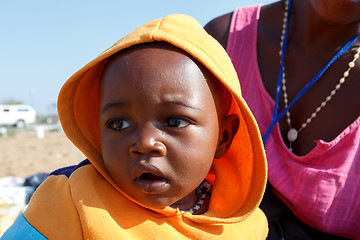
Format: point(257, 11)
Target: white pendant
point(292, 135)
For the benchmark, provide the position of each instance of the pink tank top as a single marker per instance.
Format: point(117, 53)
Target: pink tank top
point(322, 188)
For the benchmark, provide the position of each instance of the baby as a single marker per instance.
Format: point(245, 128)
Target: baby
point(173, 150)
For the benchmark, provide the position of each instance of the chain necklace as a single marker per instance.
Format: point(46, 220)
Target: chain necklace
point(277, 116)
point(293, 133)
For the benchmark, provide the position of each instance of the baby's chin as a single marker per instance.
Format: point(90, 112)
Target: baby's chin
point(159, 203)
point(162, 201)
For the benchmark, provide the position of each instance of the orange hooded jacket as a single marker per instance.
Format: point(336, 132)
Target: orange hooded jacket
point(83, 202)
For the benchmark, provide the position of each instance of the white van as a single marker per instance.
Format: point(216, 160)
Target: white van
point(17, 115)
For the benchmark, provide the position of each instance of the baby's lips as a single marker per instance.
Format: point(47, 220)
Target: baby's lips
point(147, 170)
point(151, 183)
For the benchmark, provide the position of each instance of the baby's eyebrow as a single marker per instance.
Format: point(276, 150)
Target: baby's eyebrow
point(112, 105)
point(119, 104)
point(181, 103)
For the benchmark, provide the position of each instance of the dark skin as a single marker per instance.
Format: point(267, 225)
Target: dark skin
point(162, 122)
point(318, 29)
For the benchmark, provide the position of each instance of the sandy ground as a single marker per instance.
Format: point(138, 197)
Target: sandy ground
point(24, 154)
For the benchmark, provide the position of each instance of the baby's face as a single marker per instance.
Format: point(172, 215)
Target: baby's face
point(159, 125)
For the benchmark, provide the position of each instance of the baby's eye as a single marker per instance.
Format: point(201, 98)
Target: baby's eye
point(176, 122)
point(118, 125)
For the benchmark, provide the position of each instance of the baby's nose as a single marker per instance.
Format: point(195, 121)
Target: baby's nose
point(148, 140)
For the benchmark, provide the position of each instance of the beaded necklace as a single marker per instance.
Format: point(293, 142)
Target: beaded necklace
point(201, 191)
point(281, 80)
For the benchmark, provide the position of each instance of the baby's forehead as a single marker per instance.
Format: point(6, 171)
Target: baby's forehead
point(172, 61)
point(155, 56)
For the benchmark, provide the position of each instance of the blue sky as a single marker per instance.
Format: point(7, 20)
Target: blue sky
point(42, 42)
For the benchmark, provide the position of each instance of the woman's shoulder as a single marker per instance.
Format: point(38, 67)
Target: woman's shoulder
point(219, 28)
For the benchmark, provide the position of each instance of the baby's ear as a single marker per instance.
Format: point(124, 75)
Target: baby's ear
point(229, 128)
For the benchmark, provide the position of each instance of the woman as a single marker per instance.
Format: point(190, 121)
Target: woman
point(313, 142)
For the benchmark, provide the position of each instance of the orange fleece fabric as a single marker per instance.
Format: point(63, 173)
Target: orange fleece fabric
point(89, 205)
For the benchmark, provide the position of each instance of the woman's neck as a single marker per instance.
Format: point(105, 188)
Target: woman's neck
point(313, 30)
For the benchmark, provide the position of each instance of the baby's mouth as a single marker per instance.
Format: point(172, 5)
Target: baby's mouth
point(150, 177)
point(151, 183)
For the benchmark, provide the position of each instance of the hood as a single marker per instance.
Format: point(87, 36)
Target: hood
point(238, 178)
